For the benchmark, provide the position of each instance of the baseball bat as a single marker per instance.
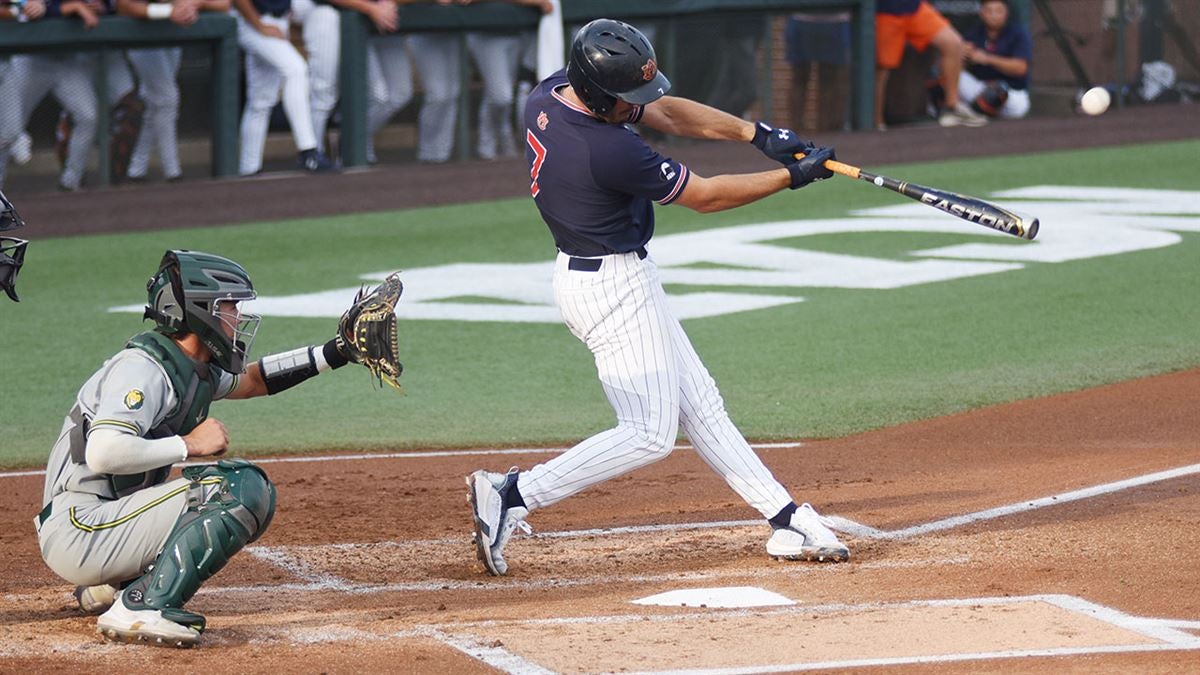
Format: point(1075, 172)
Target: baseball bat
point(970, 209)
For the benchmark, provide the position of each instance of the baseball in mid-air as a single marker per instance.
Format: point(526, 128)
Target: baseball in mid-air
point(1095, 101)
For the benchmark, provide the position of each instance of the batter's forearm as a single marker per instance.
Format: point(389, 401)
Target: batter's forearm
point(684, 117)
point(720, 193)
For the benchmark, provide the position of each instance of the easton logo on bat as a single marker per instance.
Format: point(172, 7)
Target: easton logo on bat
point(939, 200)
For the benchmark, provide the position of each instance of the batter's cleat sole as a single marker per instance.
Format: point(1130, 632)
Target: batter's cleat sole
point(485, 516)
point(146, 626)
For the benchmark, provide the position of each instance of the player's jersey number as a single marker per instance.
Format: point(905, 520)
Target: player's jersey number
point(539, 156)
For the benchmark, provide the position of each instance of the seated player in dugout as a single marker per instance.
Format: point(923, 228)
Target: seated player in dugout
point(916, 22)
point(998, 54)
point(110, 518)
point(595, 183)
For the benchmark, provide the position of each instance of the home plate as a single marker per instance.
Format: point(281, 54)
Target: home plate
point(730, 596)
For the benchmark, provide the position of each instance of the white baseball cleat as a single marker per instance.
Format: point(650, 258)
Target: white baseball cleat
point(121, 624)
point(807, 537)
point(95, 599)
point(494, 525)
point(22, 149)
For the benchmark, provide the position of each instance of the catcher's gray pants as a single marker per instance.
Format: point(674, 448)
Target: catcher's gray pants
point(29, 78)
point(497, 58)
point(156, 70)
point(437, 59)
point(90, 541)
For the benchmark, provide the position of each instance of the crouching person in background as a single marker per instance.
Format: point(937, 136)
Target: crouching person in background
point(110, 518)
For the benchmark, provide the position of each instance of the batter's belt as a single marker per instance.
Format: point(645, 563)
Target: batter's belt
point(578, 264)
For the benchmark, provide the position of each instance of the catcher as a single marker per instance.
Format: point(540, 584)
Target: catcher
point(110, 518)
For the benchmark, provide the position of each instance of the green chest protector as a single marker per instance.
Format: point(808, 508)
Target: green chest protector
point(193, 383)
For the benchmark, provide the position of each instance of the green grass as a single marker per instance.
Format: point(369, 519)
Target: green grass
point(842, 361)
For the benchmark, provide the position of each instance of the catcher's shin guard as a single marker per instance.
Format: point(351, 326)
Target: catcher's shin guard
point(207, 535)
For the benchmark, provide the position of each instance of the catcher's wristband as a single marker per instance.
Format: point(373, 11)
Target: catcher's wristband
point(284, 371)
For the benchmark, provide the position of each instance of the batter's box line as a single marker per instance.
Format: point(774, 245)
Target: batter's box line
point(1158, 629)
point(867, 532)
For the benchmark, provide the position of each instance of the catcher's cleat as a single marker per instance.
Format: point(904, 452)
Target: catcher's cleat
point(150, 626)
point(807, 537)
point(95, 599)
point(494, 524)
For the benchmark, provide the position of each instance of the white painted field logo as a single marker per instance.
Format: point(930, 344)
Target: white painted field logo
point(1077, 223)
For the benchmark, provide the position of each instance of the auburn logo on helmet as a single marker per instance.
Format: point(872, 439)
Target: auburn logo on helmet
point(649, 70)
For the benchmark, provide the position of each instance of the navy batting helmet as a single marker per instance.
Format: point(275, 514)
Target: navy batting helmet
point(612, 61)
point(12, 250)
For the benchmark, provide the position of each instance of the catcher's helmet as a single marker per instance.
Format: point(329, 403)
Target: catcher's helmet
point(183, 298)
point(12, 250)
point(611, 60)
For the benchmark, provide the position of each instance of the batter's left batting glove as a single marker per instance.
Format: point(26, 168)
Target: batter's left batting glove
point(811, 167)
point(780, 145)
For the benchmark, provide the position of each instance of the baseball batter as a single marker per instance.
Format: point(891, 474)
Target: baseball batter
point(594, 182)
point(110, 518)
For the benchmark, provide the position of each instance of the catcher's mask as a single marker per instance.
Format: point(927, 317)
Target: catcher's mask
point(194, 292)
point(12, 250)
point(611, 60)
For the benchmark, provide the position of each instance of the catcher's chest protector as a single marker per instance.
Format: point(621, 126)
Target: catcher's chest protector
point(193, 383)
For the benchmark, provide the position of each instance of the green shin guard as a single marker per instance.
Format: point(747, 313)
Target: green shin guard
point(205, 537)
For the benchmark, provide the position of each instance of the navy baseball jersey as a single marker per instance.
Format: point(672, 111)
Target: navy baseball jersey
point(897, 7)
point(593, 182)
point(273, 7)
point(1012, 42)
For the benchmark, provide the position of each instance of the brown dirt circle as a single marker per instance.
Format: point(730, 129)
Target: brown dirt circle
point(368, 565)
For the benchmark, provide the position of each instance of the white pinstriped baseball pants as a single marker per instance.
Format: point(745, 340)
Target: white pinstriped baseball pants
point(654, 381)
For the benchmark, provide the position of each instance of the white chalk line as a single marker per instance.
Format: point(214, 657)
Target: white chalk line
point(312, 582)
point(419, 455)
point(916, 660)
point(1022, 507)
point(1152, 628)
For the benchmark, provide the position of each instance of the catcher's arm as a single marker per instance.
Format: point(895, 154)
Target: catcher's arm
point(276, 372)
point(367, 331)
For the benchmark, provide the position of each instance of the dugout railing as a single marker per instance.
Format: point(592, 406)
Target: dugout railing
point(218, 31)
point(505, 17)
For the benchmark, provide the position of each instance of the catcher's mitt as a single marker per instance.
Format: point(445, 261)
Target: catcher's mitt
point(367, 331)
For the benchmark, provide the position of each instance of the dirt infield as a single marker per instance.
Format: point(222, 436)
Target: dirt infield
point(1048, 535)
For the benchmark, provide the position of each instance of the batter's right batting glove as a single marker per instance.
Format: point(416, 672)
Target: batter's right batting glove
point(780, 145)
point(811, 167)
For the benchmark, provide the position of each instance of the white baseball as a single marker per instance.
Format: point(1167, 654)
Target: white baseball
point(1095, 101)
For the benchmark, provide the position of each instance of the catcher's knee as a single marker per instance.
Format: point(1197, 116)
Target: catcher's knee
point(208, 534)
point(244, 491)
